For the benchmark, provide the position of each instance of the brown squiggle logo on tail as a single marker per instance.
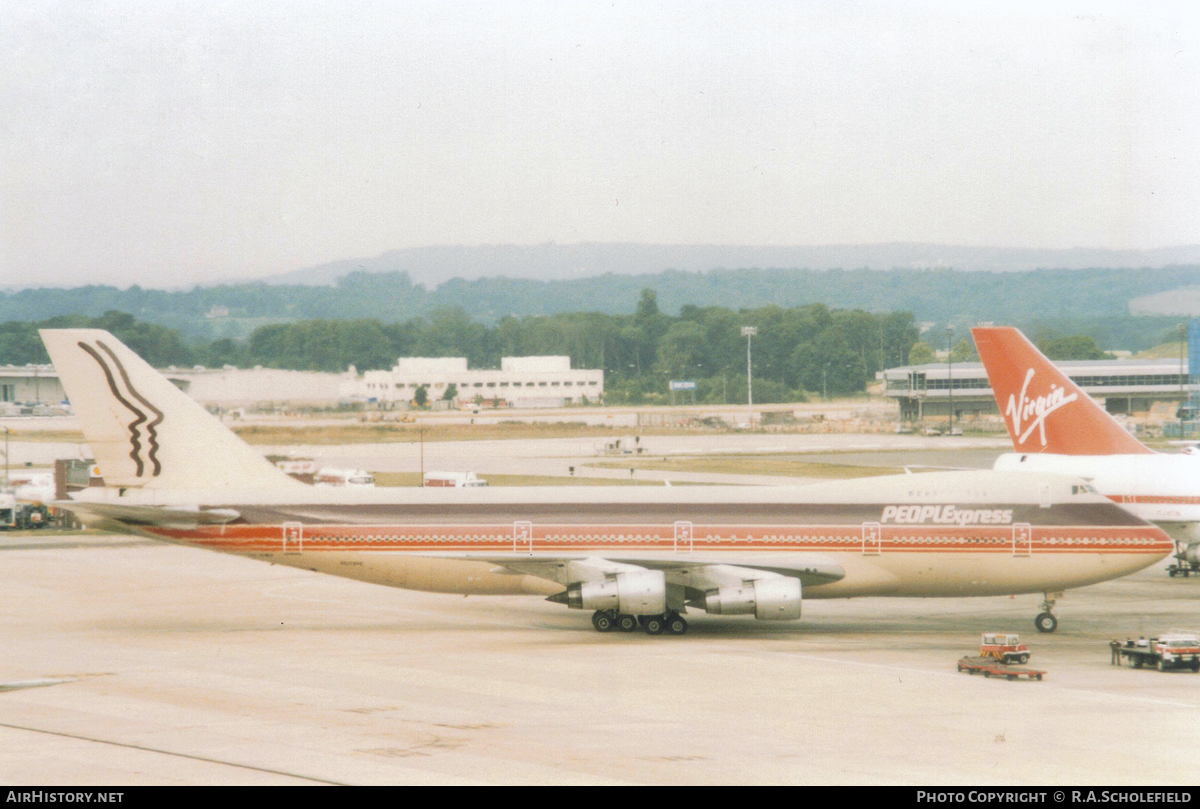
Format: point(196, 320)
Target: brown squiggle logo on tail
point(134, 427)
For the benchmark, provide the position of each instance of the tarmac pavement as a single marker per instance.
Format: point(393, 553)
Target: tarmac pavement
point(170, 665)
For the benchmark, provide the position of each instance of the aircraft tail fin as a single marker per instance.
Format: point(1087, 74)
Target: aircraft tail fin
point(143, 430)
point(1043, 409)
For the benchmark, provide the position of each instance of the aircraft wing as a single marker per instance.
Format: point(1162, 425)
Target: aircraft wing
point(663, 584)
point(691, 572)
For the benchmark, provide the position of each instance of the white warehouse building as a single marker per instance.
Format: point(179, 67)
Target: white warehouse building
point(521, 381)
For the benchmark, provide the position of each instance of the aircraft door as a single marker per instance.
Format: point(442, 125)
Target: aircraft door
point(872, 536)
point(293, 537)
point(1022, 539)
point(523, 537)
point(683, 536)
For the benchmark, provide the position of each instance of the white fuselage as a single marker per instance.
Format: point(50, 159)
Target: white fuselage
point(1162, 489)
point(935, 534)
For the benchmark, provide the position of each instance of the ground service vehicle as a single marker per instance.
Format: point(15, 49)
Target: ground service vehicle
point(1184, 566)
point(1005, 648)
point(1175, 651)
point(452, 480)
point(988, 667)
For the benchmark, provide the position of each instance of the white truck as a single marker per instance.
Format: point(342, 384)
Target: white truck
point(328, 476)
point(9, 511)
point(452, 479)
point(1174, 651)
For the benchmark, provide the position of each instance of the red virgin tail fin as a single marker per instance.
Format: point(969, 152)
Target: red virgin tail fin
point(1043, 409)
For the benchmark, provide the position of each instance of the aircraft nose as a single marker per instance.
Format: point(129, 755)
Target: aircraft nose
point(1162, 540)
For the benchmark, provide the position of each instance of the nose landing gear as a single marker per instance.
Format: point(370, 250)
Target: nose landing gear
point(1045, 620)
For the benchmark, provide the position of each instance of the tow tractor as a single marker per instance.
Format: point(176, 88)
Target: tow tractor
point(1183, 568)
point(997, 653)
point(1174, 651)
point(1005, 648)
point(1187, 561)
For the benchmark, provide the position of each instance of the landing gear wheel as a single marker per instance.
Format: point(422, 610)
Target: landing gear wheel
point(627, 623)
point(676, 625)
point(603, 621)
point(654, 624)
point(1045, 622)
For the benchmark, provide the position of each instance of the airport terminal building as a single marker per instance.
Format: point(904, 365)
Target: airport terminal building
point(520, 381)
point(30, 385)
point(1124, 386)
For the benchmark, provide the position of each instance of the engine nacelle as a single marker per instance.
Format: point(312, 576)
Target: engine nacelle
point(637, 592)
point(769, 599)
point(1192, 554)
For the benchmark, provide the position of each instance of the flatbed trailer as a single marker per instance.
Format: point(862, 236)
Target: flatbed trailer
point(989, 667)
point(1167, 652)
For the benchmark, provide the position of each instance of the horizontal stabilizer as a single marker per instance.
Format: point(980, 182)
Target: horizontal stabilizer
point(157, 516)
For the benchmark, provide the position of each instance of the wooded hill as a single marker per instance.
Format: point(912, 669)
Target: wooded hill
point(807, 348)
point(1093, 301)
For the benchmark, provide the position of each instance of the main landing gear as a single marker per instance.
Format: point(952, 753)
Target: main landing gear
point(1045, 621)
point(671, 623)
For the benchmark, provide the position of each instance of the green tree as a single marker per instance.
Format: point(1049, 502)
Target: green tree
point(964, 351)
point(681, 349)
point(421, 397)
point(921, 354)
point(1075, 347)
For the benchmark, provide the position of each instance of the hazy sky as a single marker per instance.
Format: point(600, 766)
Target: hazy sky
point(165, 143)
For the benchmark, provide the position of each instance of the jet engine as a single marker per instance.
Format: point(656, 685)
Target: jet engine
point(636, 592)
point(1192, 554)
point(769, 599)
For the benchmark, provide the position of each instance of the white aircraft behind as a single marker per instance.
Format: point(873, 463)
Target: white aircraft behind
point(631, 555)
point(1056, 427)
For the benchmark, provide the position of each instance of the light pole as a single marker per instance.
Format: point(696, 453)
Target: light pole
point(748, 332)
point(1183, 414)
point(950, 375)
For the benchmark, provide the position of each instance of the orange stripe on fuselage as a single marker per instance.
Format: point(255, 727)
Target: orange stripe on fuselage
point(596, 538)
point(1156, 499)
